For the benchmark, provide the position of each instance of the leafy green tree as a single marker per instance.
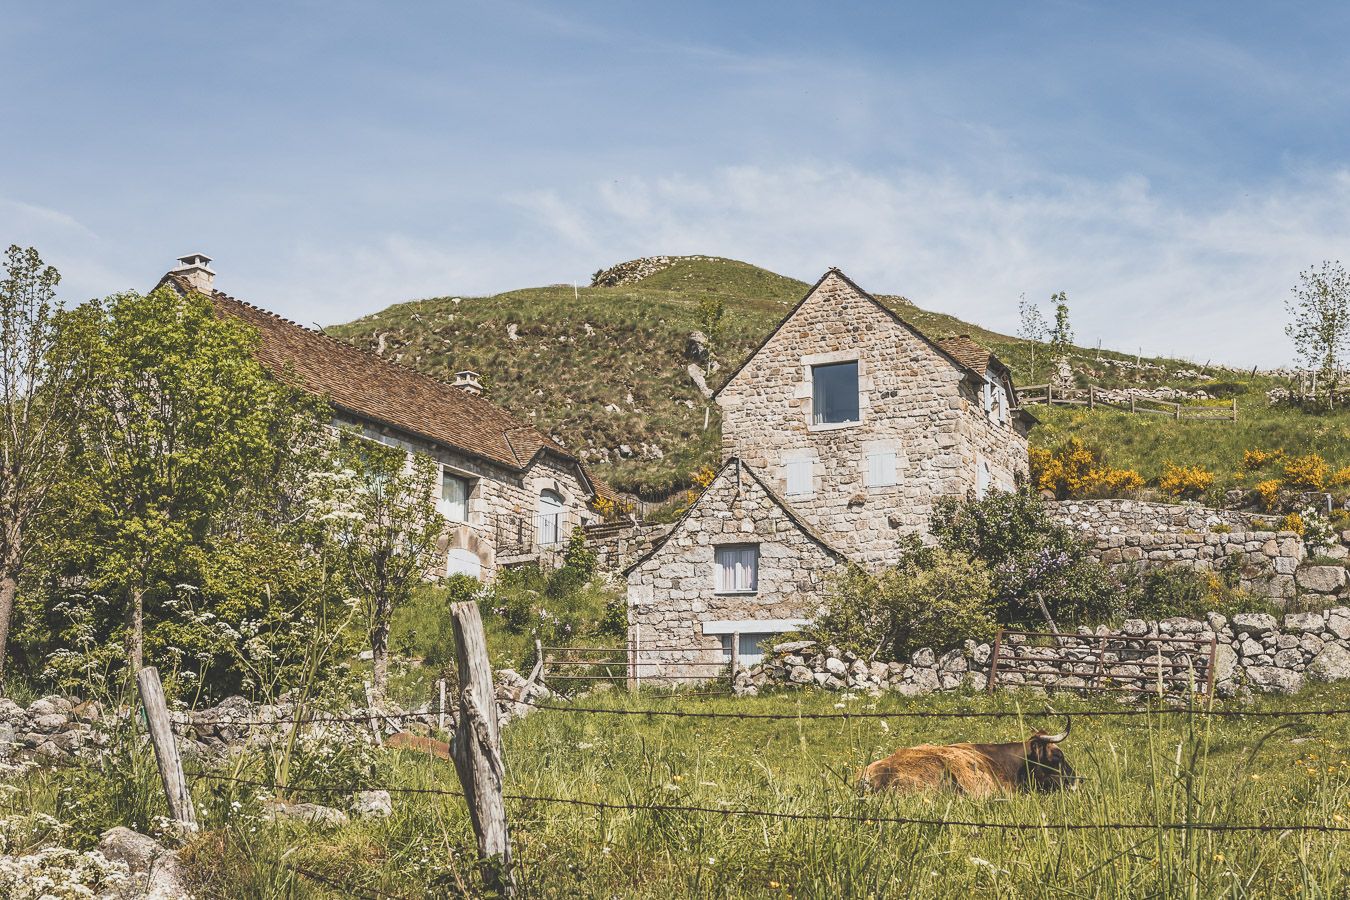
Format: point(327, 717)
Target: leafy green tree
point(1061, 335)
point(1319, 319)
point(390, 529)
point(42, 389)
point(186, 417)
point(1031, 328)
point(712, 309)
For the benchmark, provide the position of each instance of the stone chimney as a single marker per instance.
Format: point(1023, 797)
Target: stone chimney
point(195, 269)
point(468, 382)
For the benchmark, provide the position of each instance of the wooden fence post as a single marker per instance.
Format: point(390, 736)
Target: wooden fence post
point(1092, 397)
point(440, 710)
point(735, 657)
point(166, 748)
point(1234, 410)
point(635, 659)
point(476, 748)
point(374, 717)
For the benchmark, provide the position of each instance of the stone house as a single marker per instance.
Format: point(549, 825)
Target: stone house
point(840, 431)
point(509, 494)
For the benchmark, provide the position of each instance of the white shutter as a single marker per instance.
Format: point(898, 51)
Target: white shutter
point(881, 468)
point(799, 477)
point(982, 480)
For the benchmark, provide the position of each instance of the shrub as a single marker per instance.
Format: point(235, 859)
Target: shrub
point(1308, 473)
point(1269, 491)
point(1073, 469)
point(932, 598)
point(1292, 522)
point(1257, 459)
point(1160, 593)
point(1032, 558)
point(1341, 477)
point(1185, 482)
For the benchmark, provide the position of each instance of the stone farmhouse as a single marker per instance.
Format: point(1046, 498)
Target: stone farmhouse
point(509, 494)
point(839, 433)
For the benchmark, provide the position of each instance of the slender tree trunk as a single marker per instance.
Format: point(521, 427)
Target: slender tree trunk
point(9, 588)
point(379, 648)
point(136, 626)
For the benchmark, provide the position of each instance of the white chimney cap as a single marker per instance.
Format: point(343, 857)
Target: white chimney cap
point(468, 381)
point(195, 269)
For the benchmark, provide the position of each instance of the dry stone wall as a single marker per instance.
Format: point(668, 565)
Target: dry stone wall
point(1255, 652)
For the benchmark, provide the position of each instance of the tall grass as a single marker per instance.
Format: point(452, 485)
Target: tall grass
point(1141, 770)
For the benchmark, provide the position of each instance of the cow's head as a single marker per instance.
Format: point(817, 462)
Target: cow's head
point(1046, 767)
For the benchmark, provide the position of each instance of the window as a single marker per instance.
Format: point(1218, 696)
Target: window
point(752, 649)
point(455, 490)
point(799, 479)
point(462, 561)
point(834, 393)
point(737, 568)
point(881, 468)
point(548, 518)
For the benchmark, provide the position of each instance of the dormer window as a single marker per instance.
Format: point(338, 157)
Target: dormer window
point(834, 393)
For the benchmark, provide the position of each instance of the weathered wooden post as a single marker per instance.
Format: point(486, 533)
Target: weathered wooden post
point(635, 659)
point(476, 748)
point(735, 657)
point(166, 748)
point(440, 714)
point(1092, 397)
point(1234, 410)
point(374, 717)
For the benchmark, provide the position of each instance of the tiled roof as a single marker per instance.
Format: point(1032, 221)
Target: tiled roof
point(967, 352)
point(368, 386)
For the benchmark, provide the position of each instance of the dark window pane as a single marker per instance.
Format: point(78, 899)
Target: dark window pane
point(835, 393)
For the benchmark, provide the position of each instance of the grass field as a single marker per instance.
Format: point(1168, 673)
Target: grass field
point(1137, 771)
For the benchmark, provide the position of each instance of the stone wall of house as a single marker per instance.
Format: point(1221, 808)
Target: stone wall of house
point(1255, 652)
point(911, 402)
point(672, 593)
point(502, 505)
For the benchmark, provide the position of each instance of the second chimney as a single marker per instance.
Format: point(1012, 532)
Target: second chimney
point(468, 382)
point(195, 269)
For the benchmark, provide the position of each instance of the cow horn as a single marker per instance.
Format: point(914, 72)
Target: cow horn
point(1057, 738)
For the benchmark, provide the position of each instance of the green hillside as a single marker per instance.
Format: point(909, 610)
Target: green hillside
point(604, 368)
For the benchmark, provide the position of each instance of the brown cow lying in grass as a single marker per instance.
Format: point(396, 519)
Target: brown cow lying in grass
point(1036, 764)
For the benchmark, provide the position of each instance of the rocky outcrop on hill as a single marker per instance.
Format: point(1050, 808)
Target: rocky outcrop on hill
point(635, 270)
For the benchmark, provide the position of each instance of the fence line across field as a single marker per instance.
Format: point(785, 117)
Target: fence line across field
point(864, 819)
point(1045, 394)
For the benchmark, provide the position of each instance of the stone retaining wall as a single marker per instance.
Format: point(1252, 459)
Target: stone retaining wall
point(1255, 652)
point(617, 545)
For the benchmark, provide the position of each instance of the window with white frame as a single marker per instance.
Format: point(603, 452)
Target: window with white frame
point(834, 393)
point(882, 467)
point(799, 477)
point(737, 568)
point(455, 490)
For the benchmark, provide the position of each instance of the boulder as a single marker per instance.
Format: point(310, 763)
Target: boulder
point(136, 851)
point(1331, 664)
point(1289, 659)
point(1134, 628)
point(1322, 579)
point(835, 666)
point(1275, 680)
point(1338, 622)
point(372, 805)
point(1254, 623)
point(793, 646)
point(1250, 647)
point(923, 657)
point(800, 675)
point(1305, 622)
point(10, 711)
point(1225, 663)
point(308, 813)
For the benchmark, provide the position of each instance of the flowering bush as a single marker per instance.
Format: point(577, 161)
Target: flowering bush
point(1314, 526)
point(1185, 482)
point(1307, 473)
point(1269, 491)
point(1257, 459)
point(1292, 522)
point(1074, 469)
point(57, 873)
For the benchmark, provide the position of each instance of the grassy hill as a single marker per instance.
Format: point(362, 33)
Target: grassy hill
point(603, 369)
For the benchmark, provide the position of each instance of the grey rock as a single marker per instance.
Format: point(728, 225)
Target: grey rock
point(793, 646)
point(1289, 659)
point(1275, 680)
point(373, 805)
point(308, 813)
point(1338, 622)
point(42, 707)
point(1217, 622)
point(800, 675)
point(50, 722)
point(1225, 663)
point(1286, 641)
point(1332, 664)
point(1311, 644)
point(1254, 623)
point(10, 711)
point(1305, 622)
point(1135, 628)
point(1322, 579)
point(1251, 648)
point(923, 657)
point(835, 666)
point(135, 850)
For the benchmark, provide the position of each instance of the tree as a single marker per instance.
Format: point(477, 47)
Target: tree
point(1031, 328)
point(41, 391)
point(186, 416)
point(1061, 336)
point(390, 528)
point(1319, 319)
point(712, 310)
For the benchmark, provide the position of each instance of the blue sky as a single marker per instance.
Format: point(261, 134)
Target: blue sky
point(1171, 166)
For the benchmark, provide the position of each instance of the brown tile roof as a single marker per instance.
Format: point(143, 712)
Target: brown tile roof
point(368, 386)
point(967, 352)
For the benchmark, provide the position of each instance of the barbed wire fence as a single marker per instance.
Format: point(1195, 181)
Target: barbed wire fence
point(476, 752)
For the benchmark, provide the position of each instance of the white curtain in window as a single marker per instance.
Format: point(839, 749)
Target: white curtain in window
point(798, 477)
point(548, 518)
point(454, 497)
point(881, 468)
point(738, 568)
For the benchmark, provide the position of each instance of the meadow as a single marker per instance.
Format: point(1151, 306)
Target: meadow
point(1181, 769)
